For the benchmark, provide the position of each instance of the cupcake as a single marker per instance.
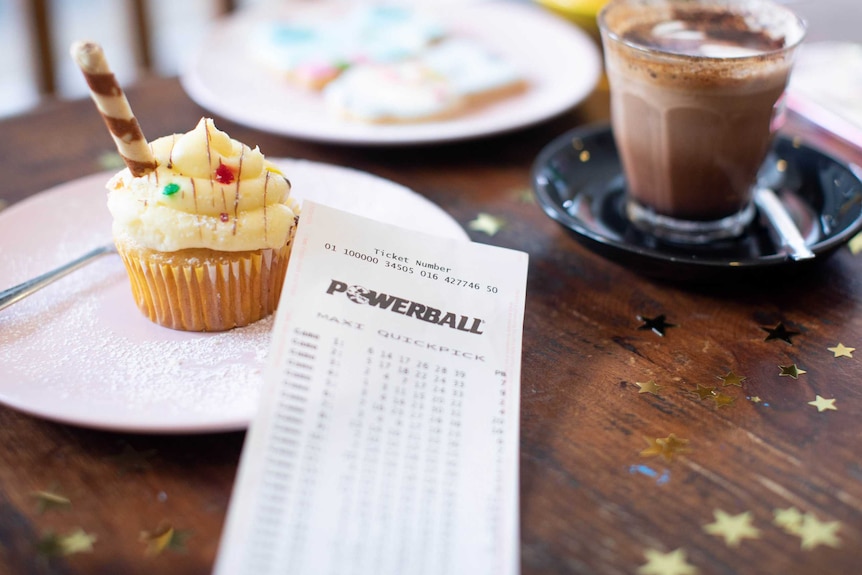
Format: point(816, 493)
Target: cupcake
point(206, 235)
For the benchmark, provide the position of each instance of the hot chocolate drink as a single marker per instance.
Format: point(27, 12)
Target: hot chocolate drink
point(693, 90)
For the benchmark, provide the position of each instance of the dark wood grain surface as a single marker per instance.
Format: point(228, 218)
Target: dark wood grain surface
point(590, 501)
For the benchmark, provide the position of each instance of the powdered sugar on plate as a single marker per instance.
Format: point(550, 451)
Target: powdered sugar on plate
point(79, 351)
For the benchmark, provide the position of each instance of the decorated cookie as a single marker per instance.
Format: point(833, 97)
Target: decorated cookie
point(314, 50)
point(446, 79)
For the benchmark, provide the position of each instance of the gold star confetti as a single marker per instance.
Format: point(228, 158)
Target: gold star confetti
point(814, 532)
point(49, 545)
point(524, 196)
point(732, 379)
point(779, 332)
point(164, 537)
point(674, 444)
point(657, 324)
point(788, 519)
point(822, 404)
point(79, 541)
point(487, 223)
point(667, 447)
point(755, 399)
point(855, 244)
point(130, 459)
point(734, 528)
point(791, 371)
point(46, 500)
point(807, 527)
point(841, 350)
point(656, 447)
point(704, 392)
point(721, 399)
point(673, 563)
point(648, 387)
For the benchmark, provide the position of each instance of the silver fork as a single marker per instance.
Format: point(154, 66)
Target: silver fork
point(22, 290)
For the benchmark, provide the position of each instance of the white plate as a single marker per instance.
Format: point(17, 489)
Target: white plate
point(80, 352)
point(560, 62)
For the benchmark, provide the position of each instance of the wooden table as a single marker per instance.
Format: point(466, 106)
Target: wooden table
point(591, 502)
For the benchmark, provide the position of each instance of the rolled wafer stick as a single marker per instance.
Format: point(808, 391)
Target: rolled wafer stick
point(114, 107)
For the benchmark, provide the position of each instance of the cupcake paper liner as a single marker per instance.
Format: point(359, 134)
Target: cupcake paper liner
point(205, 290)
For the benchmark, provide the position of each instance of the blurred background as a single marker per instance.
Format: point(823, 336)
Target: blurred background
point(140, 37)
point(154, 36)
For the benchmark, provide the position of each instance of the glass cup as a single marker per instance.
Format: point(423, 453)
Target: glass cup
point(695, 95)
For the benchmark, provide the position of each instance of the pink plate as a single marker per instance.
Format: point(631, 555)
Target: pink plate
point(80, 352)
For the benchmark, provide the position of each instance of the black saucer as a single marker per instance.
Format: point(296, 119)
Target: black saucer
point(578, 181)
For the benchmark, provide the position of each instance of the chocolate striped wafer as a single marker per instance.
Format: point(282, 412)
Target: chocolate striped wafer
point(112, 103)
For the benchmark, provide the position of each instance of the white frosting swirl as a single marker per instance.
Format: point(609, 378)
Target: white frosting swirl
point(207, 191)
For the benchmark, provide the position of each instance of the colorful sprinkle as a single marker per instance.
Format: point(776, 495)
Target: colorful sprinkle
point(650, 472)
point(224, 217)
point(224, 175)
point(171, 189)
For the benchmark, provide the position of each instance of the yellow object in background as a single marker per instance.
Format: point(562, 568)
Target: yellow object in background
point(581, 12)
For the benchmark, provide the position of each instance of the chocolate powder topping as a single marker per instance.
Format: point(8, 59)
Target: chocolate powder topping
point(725, 28)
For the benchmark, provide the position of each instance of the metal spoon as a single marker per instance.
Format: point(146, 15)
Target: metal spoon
point(22, 290)
point(782, 223)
